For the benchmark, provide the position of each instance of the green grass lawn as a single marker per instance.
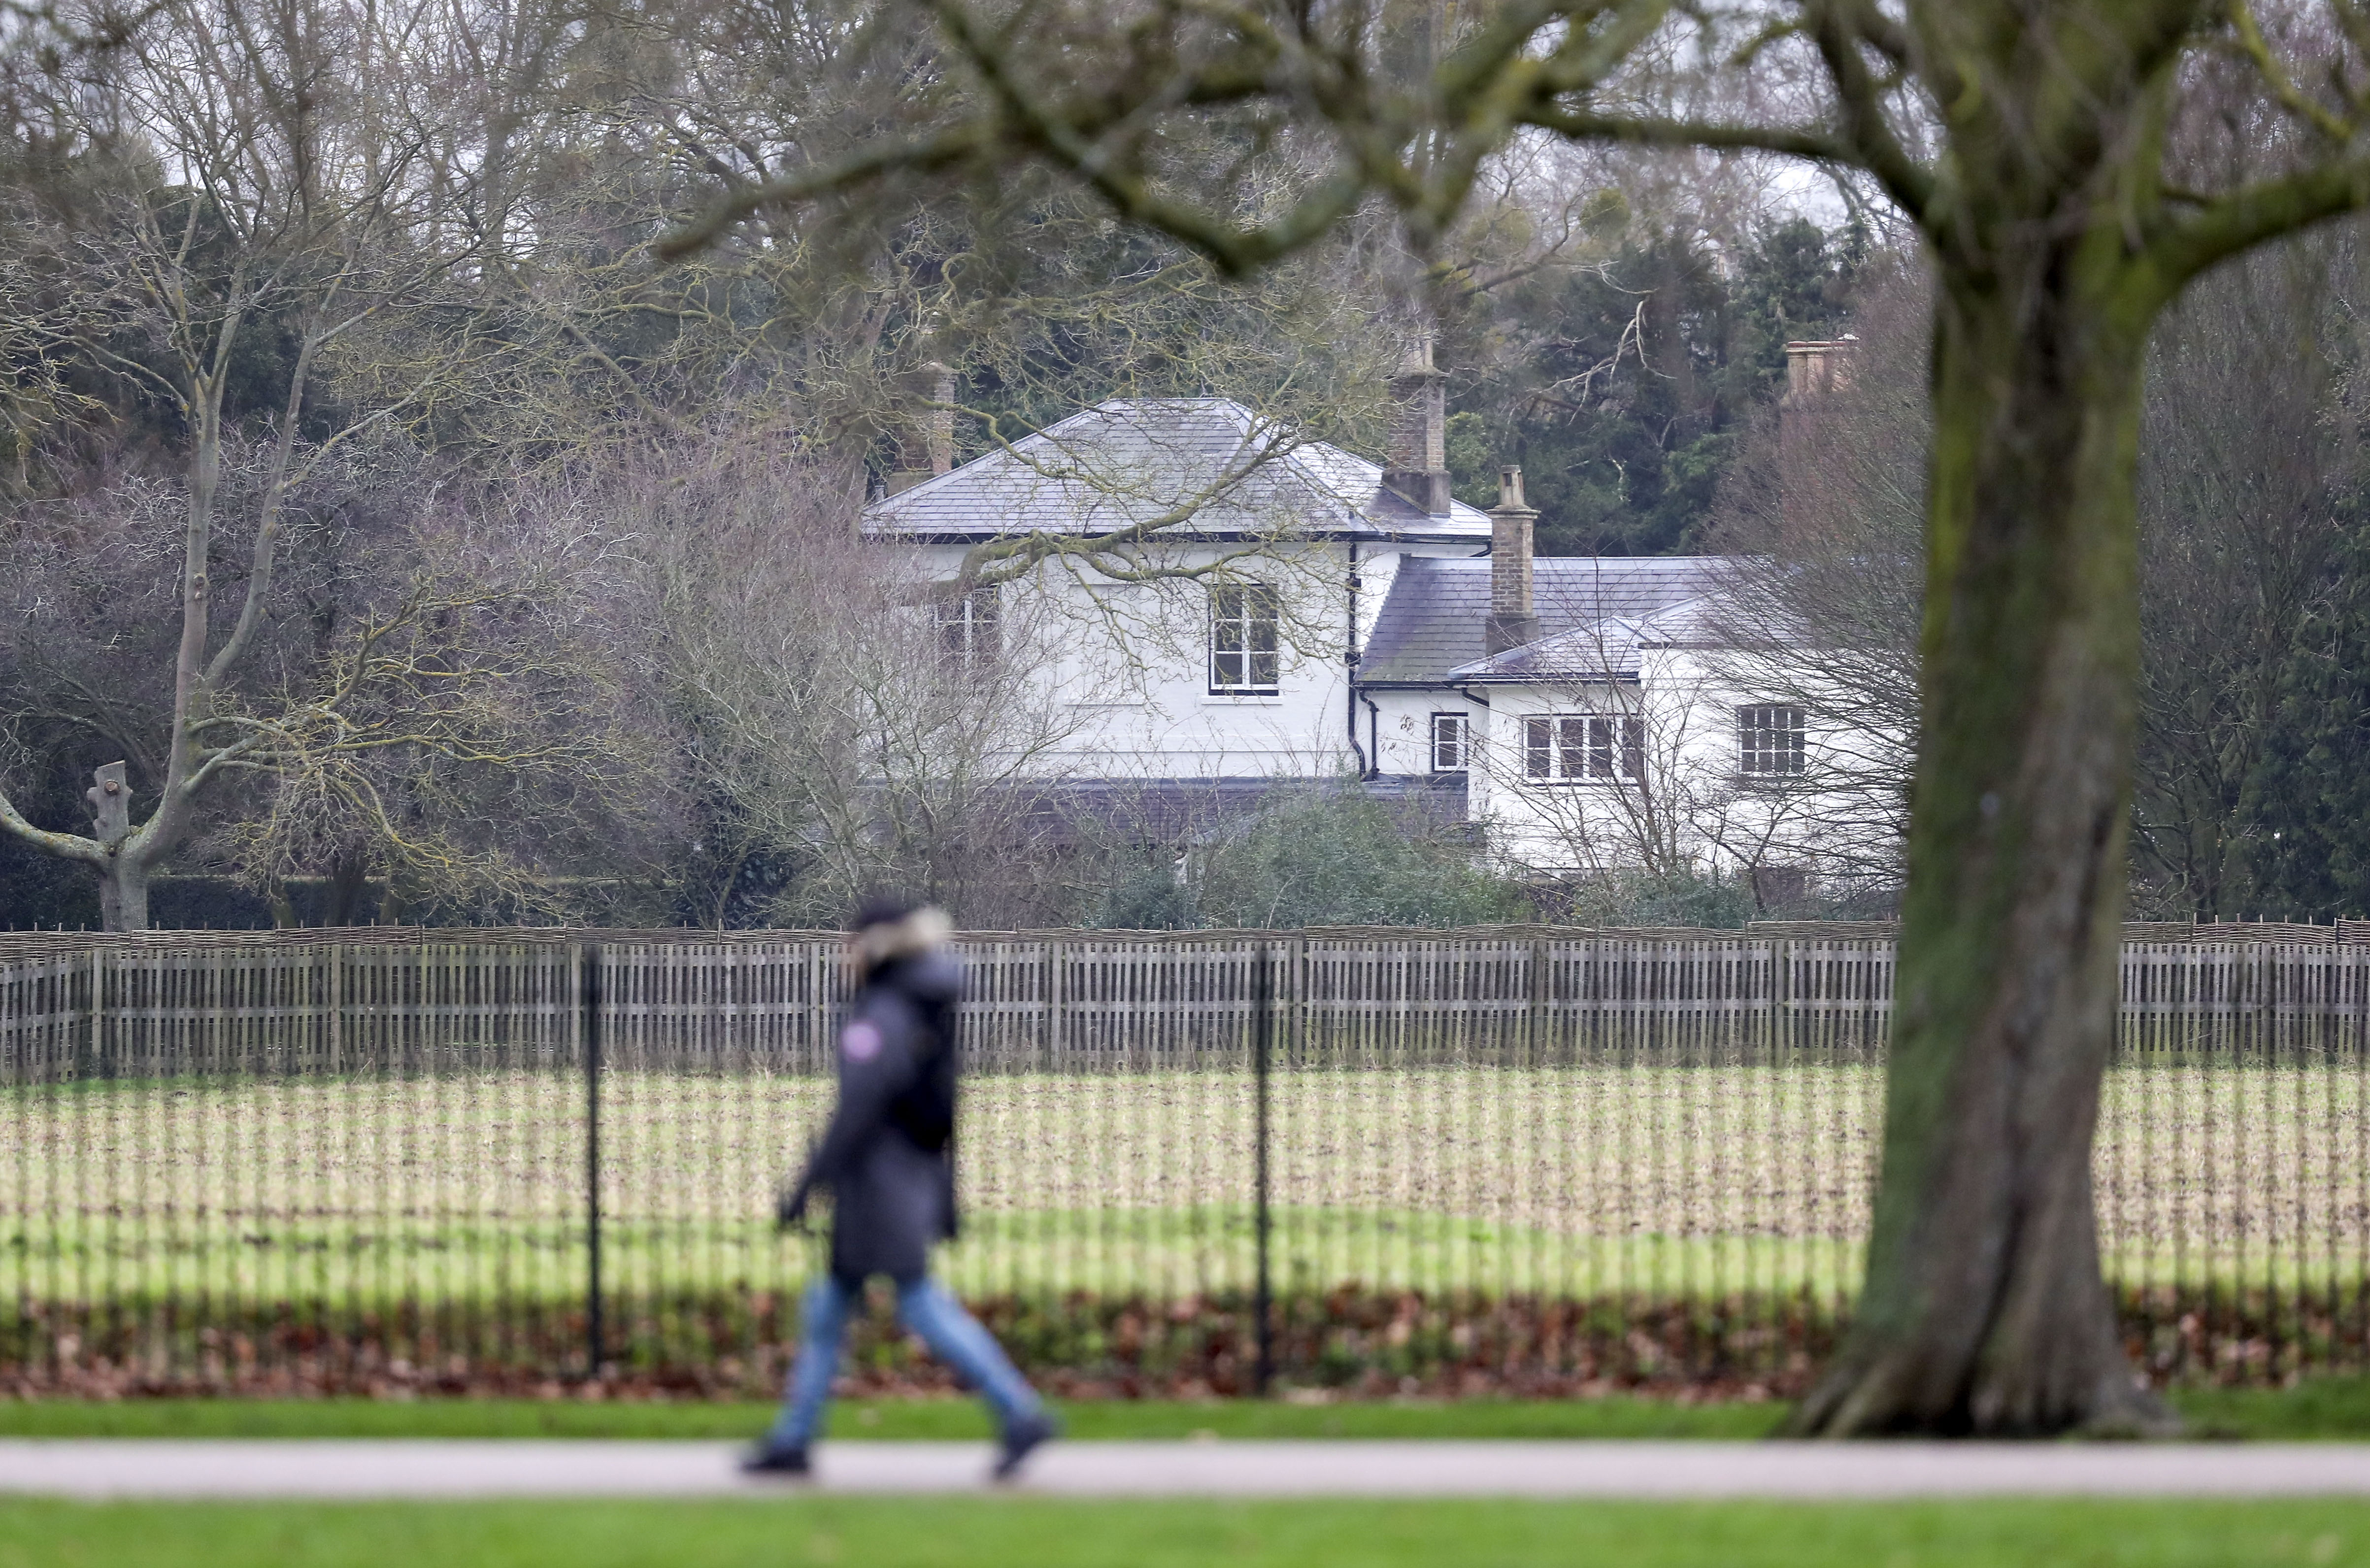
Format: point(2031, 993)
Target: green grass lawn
point(945, 1418)
point(350, 1264)
point(2332, 1408)
point(1029, 1533)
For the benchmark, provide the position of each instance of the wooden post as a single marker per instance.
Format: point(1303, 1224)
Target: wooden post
point(1538, 1001)
point(337, 1007)
point(1057, 1037)
point(98, 1066)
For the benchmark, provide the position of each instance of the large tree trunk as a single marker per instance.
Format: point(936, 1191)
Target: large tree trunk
point(1983, 1309)
point(349, 875)
point(123, 895)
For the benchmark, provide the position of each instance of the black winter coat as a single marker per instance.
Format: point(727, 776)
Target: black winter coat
point(888, 1156)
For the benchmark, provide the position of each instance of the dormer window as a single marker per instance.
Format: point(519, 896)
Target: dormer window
point(1246, 654)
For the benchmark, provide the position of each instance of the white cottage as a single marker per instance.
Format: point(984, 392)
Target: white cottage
point(1353, 618)
point(1244, 675)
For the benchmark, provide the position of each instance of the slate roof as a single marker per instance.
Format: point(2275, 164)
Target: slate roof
point(1594, 611)
point(1607, 650)
point(1129, 461)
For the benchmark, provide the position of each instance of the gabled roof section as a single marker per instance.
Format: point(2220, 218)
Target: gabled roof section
point(1130, 462)
point(1429, 629)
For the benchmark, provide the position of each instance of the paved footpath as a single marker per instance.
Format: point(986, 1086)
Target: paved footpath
point(427, 1469)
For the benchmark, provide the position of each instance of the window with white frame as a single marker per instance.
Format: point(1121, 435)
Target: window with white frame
point(1245, 651)
point(968, 627)
point(1769, 737)
point(1448, 742)
point(1579, 748)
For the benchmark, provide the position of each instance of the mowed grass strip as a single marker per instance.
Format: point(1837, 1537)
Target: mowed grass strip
point(1031, 1533)
point(1117, 1252)
point(932, 1419)
point(2336, 1409)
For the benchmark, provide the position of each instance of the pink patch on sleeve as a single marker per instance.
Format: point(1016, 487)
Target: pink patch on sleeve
point(860, 1041)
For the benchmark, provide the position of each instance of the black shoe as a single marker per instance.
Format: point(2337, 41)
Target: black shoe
point(1019, 1439)
point(770, 1460)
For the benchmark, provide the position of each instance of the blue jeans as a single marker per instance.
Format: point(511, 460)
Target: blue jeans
point(924, 1306)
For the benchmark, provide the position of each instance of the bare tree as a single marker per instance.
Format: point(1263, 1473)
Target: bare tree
point(842, 733)
point(256, 229)
point(1619, 760)
point(1590, 771)
point(2249, 452)
point(473, 730)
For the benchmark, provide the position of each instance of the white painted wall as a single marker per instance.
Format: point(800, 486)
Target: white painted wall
point(1130, 662)
point(1403, 726)
point(1697, 808)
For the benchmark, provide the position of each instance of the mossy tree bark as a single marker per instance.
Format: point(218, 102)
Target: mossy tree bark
point(1983, 1309)
point(2058, 238)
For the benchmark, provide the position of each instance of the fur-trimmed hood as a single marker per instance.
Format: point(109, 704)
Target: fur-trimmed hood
point(925, 930)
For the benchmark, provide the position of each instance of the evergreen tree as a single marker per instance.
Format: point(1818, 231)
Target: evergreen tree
point(1624, 382)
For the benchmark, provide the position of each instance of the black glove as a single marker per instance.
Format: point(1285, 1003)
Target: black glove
point(790, 1209)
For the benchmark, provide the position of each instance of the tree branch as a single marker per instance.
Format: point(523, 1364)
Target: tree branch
point(2187, 245)
point(1834, 33)
point(920, 154)
point(1658, 131)
point(1233, 249)
point(65, 846)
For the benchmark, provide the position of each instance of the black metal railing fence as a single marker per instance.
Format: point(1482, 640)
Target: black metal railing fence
point(1520, 1158)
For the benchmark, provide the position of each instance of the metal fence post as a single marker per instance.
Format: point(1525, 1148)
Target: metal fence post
point(589, 1004)
point(1262, 1051)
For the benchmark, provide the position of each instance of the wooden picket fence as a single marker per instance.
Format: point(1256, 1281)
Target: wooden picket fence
point(171, 1003)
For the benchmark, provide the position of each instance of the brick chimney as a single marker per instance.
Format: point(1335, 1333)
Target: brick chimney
point(930, 439)
point(1816, 371)
point(1417, 466)
point(1513, 621)
point(1816, 368)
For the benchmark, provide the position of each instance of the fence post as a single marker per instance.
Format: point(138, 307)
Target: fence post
point(1538, 1021)
point(1057, 1038)
point(1262, 1050)
point(99, 1012)
point(337, 1007)
point(589, 1006)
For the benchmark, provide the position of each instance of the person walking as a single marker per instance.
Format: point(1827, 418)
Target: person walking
point(888, 1159)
